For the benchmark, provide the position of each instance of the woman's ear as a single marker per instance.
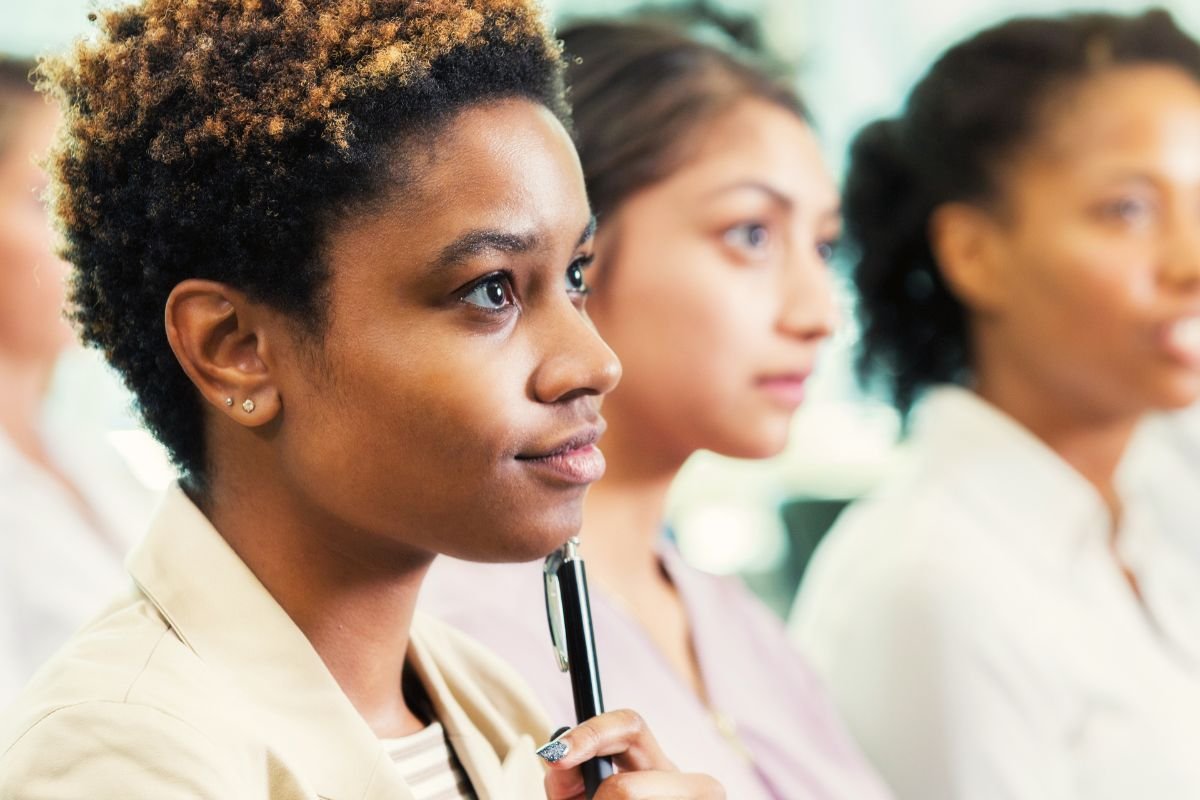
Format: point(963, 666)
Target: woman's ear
point(220, 340)
point(966, 240)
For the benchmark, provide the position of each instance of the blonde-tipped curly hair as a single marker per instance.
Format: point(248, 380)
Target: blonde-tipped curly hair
point(219, 139)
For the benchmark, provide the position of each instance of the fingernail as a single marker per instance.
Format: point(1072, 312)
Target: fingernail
point(553, 751)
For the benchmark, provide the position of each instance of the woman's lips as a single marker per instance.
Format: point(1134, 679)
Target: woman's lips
point(580, 466)
point(576, 461)
point(786, 389)
point(1181, 340)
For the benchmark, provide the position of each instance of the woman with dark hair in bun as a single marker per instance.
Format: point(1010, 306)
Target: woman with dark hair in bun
point(336, 249)
point(1001, 619)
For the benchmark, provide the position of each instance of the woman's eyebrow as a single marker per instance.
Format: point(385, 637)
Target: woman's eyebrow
point(474, 242)
point(832, 216)
point(778, 196)
point(1130, 177)
point(588, 232)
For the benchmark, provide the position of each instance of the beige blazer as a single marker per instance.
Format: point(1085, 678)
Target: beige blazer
point(198, 685)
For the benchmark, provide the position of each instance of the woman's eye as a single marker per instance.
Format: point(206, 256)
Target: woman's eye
point(492, 294)
point(576, 281)
point(826, 250)
point(1128, 209)
point(753, 237)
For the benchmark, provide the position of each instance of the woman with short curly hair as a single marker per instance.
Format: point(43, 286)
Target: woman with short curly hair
point(336, 250)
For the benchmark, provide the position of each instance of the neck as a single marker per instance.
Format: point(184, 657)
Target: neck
point(25, 385)
point(1093, 444)
point(353, 602)
point(623, 517)
point(623, 513)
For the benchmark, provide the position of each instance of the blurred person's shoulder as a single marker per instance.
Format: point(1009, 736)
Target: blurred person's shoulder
point(938, 524)
point(966, 476)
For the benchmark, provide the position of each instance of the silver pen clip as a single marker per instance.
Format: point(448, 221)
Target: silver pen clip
point(554, 606)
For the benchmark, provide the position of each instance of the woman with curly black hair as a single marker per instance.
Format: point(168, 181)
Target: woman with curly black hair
point(1002, 619)
point(336, 250)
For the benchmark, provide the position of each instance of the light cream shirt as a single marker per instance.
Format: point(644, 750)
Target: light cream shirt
point(197, 685)
point(975, 628)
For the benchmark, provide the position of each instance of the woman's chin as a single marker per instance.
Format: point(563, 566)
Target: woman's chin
point(754, 443)
point(1176, 394)
point(531, 542)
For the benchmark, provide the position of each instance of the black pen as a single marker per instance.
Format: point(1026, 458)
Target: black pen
point(570, 616)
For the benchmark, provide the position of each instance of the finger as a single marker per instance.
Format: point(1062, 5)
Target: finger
point(660, 785)
point(620, 734)
point(564, 784)
point(568, 785)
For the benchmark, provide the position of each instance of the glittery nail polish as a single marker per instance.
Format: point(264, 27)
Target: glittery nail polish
point(553, 751)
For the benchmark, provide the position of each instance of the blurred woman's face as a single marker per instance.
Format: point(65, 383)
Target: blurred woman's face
point(1100, 247)
point(32, 327)
point(712, 286)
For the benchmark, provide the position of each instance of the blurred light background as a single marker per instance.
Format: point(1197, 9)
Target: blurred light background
point(855, 60)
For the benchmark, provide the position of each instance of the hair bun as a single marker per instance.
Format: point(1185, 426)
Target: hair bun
point(882, 184)
point(905, 308)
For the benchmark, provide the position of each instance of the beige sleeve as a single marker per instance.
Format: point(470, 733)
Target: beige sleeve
point(114, 751)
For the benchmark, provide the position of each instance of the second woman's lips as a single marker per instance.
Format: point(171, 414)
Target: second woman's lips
point(1181, 339)
point(785, 388)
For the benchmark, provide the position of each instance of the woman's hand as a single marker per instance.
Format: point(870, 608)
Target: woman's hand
point(643, 771)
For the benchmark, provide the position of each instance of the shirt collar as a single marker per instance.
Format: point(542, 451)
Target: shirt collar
point(991, 461)
point(13, 463)
point(220, 610)
point(469, 702)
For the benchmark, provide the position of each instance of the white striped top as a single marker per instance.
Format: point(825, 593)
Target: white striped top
point(429, 766)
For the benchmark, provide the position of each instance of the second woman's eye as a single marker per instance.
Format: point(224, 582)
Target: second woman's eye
point(827, 250)
point(493, 293)
point(752, 237)
point(1129, 210)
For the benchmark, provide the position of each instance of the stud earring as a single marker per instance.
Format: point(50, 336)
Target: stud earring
point(248, 405)
point(229, 402)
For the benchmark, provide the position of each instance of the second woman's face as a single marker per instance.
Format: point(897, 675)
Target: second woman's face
point(712, 286)
point(1100, 254)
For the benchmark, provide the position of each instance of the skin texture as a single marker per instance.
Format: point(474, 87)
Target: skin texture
point(1075, 278)
point(398, 433)
point(729, 252)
